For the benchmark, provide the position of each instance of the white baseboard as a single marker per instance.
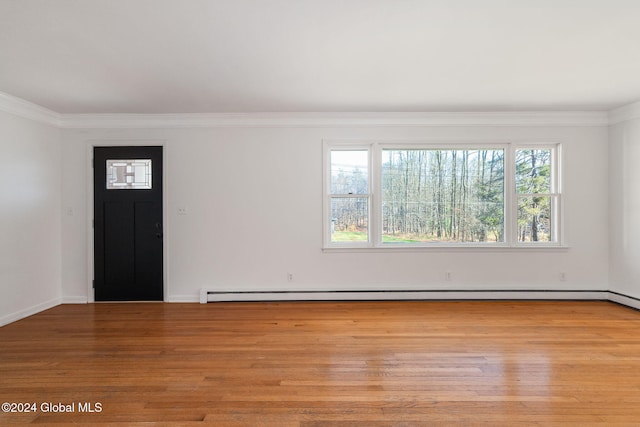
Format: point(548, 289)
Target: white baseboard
point(183, 298)
point(207, 295)
point(624, 300)
point(218, 296)
point(75, 300)
point(21, 314)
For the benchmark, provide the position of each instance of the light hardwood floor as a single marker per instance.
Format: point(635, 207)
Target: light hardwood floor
point(326, 364)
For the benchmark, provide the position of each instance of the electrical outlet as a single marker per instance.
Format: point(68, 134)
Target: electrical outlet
point(447, 276)
point(183, 210)
point(289, 277)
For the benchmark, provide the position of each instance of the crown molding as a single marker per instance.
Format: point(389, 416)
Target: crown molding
point(534, 118)
point(625, 113)
point(28, 110)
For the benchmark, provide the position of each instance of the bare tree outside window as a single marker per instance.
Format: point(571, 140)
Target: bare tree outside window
point(534, 190)
point(389, 195)
point(442, 196)
point(350, 199)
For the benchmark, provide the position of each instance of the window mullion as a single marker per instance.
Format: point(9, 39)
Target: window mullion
point(326, 196)
point(510, 201)
point(375, 200)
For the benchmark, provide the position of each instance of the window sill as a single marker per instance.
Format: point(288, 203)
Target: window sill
point(447, 248)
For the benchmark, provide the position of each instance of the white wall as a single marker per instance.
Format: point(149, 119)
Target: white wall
point(30, 239)
point(75, 225)
point(254, 213)
point(624, 201)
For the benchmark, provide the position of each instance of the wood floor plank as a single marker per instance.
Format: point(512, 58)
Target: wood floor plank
point(319, 364)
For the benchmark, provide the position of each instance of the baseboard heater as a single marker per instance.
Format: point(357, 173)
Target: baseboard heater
point(211, 295)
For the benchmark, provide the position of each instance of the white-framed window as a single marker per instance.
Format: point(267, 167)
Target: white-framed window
point(537, 194)
point(402, 195)
point(348, 201)
point(129, 174)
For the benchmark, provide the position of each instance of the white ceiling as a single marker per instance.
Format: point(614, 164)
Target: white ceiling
point(221, 56)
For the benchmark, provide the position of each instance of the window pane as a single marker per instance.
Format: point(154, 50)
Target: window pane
point(129, 174)
point(533, 171)
point(534, 219)
point(442, 196)
point(349, 172)
point(349, 219)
